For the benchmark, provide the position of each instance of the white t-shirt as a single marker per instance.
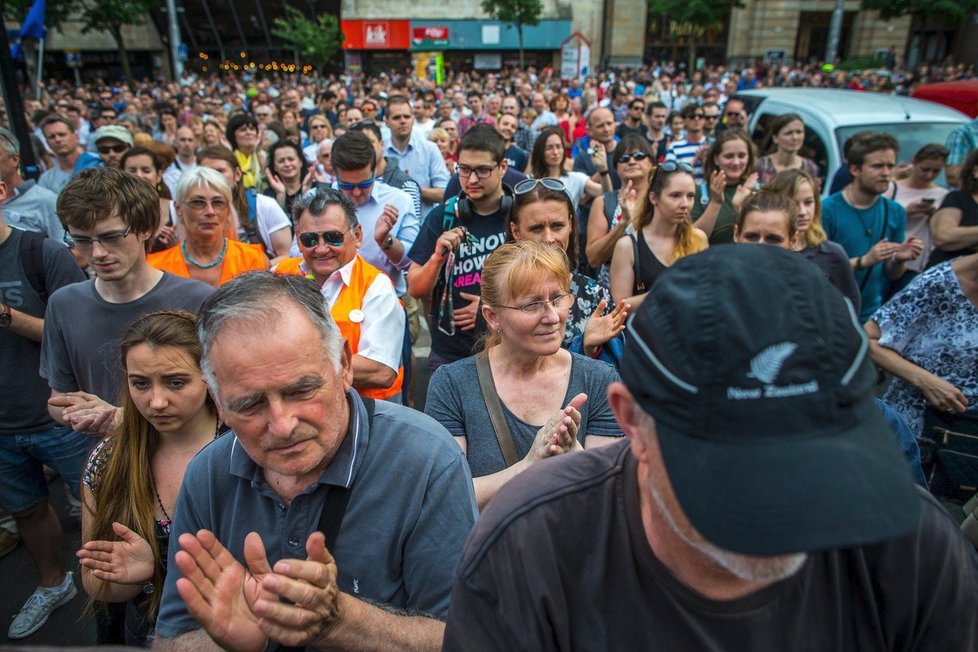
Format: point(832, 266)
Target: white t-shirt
point(916, 226)
point(270, 218)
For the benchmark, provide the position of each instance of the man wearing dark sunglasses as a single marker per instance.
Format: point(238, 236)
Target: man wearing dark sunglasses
point(112, 141)
point(692, 148)
point(360, 296)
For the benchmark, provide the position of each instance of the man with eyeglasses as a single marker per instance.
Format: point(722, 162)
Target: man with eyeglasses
point(691, 149)
point(633, 122)
point(361, 297)
point(69, 158)
point(31, 269)
point(415, 154)
point(112, 142)
point(385, 213)
point(455, 240)
point(109, 216)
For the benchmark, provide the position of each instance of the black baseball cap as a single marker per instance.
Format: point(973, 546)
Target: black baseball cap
point(758, 376)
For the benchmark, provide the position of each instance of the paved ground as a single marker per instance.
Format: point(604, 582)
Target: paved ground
point(66, 627)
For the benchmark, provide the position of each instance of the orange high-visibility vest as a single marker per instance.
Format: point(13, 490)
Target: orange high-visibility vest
point(349, 300)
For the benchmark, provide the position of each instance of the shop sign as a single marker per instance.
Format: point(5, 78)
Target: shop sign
point(430, 36)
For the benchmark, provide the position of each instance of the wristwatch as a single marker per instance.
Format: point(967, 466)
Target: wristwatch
point(388, 243)
point(4, 315)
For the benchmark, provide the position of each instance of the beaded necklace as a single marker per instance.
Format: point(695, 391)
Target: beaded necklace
point(213, 263)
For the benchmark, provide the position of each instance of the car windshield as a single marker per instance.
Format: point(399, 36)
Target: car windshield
point(911, 135)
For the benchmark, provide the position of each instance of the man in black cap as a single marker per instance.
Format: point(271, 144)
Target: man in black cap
point(759, 502)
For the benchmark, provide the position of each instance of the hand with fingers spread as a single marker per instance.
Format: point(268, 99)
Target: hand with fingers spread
point(304, 598)
point(559, 434)
point(85, 412)
point(274, 182)
point(600, 328)
point(219, 592)
point(628, 200)
point(129, 561)
point(309, 179)
point(718, 185)
point(744, 191)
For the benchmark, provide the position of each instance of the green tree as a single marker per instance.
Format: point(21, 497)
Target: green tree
point(692, 18)
point(317, 40)
point(55, 11)
point(517, 13)
point(950, 11)
point(110, 16)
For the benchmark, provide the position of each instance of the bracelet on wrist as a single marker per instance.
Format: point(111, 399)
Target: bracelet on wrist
point(859, 264)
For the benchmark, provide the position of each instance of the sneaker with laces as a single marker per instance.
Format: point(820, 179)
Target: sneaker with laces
point(39, 606)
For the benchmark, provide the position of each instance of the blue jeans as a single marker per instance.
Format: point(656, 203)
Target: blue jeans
point(22, 460)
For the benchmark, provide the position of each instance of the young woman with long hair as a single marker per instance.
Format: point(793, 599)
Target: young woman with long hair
point(148, 165)
point(549, 160)
point(787, 140)
point(132, 478)
point(728, 178)
point(663, 234)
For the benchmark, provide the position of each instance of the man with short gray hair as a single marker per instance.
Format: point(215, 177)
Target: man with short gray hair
point(261, 551)
point(28, 207)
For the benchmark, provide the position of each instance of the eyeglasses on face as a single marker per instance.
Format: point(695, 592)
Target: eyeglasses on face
point(317, 126)
point(559, 302)
point(707, 116)
point(309, 239)
point(481, 171)
point(118, 149)
point(634, 156)
point(107, 240)
point(362, 185)
point(697, 116)
point(218, 204)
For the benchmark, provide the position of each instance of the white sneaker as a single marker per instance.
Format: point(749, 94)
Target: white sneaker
point(39, 606)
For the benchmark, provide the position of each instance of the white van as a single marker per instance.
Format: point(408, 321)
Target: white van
point(832, 116)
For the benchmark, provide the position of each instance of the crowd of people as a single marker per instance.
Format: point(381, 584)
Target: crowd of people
point(655, 350)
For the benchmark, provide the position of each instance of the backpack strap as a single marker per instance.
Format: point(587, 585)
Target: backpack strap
point(32, 259)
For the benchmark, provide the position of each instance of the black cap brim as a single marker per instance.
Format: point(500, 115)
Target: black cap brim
point(830, 489)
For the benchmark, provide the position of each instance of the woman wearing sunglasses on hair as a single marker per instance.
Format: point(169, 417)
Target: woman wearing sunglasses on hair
point(612, 212)
point(549, 159)
point(207, 254)
point(537, 400)
point(543, 212)
point(664, 234)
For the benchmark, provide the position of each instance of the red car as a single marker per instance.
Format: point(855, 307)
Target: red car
point(960, 95)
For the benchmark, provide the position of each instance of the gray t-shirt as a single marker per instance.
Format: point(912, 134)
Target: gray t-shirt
point(82, 331)
point(455, 401)
point(23, 408)
point(34, 208)
point(55, 179)
point(411, 508)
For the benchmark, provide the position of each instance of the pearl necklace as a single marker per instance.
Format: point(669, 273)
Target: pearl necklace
point(213, 263)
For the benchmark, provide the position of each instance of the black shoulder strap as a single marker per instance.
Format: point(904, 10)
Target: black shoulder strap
point(338, 498)
point(32, 258)
point(637, 265)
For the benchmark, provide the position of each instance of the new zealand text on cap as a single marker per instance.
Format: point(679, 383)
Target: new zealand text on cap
point(758, 375)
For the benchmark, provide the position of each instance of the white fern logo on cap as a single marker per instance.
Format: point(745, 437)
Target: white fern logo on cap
point(766, 365)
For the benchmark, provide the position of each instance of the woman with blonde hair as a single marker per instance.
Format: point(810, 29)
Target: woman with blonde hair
point(663, 234)
point(538, 399)
point(132, 478)
point(802, 188)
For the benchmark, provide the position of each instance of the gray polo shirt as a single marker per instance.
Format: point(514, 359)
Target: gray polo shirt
point(410, 511)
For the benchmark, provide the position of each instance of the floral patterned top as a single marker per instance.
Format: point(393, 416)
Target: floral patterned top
point(933, 325)
point(589, 293)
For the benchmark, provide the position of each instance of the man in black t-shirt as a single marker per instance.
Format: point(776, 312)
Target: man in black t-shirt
point(759, 503)
point(455, 239)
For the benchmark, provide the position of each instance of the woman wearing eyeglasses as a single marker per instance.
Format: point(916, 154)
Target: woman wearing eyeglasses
point(207, 254)
point(549, 160)
point(545, 400)
point(543, 212)
point(787, 137)
point(729, 178)
point(612, 212)
point(664, 234)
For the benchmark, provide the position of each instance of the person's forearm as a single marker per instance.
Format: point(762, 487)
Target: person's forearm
point(396, 252)
point(895, 268)
point(432, 195)
point(195, 641)
point(894, 363)
point(708, 220)
point(368, 374)
point(365, 627)
point(281, 242)
point(599, 250)
point(25, 325)
point(422, 278)
point(104, 591)
point(955, 238)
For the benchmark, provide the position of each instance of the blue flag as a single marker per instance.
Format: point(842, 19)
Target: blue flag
point(33, 27)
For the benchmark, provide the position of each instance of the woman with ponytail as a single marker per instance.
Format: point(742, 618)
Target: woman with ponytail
point(132, 478)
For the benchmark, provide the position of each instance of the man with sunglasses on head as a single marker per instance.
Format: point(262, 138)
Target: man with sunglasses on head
point(455, 240)
point(109, 216)
point(691, 149)
point(112, 142)
point(361, 297)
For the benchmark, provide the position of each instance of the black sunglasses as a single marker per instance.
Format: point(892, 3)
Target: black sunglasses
point(118, 149)
point(331, 238)
point(636, 156)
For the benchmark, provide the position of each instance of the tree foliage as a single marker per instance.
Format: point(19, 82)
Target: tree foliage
point(948, 10)
point(110, 16)
point(518, 13)
point(317, 40)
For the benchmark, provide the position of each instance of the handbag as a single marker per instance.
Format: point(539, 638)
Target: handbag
point(949, 453)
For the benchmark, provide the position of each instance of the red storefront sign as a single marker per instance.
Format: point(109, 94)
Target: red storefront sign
point(430, 35)
point(376, 34)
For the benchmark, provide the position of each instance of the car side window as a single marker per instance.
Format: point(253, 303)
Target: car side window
point(816, 150)
point(762, 133)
